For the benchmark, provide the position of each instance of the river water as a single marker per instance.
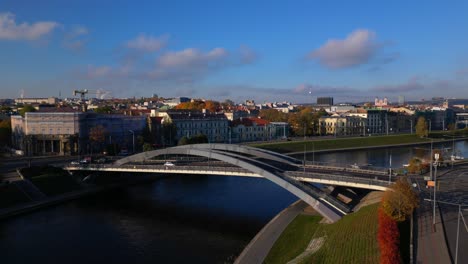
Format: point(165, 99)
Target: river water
point(174, 219)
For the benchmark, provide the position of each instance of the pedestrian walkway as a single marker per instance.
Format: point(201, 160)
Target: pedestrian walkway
point(431, 245)
point(257, 250)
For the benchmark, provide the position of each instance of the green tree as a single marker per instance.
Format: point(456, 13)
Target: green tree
point(104, 110)
point(421, 127)
point(169, 132)
point(27, 108)
point(147, 147)
point(5, 132)
point(183, 141)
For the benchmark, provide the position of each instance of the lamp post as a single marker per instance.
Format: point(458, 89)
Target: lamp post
point(390, 171)
point(436, 156)
point(133, 137)
point(304, 131)
point(458, 223)
point(304, 156)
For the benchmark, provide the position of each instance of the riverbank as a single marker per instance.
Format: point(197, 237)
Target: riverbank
point(343, 144)
point(258, 248)
point(65, 197)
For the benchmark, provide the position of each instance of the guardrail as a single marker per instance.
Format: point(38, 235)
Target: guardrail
point(359, 180)
point(156, 167)
point(347, 169)
point(317, 193)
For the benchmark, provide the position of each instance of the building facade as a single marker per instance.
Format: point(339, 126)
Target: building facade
point(192, 123)
point(66, 131)
point(250, 129)
point(342, 125)
point(325, 101)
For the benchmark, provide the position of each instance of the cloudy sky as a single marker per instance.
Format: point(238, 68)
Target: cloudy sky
point(263, 50)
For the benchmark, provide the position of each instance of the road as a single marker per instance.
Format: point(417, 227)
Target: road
point(8, 165)
point(452, 188)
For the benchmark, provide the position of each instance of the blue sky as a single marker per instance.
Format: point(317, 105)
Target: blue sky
point(262, 50)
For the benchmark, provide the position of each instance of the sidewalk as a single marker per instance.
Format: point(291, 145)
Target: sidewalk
point(431, 246)
point(257, 250)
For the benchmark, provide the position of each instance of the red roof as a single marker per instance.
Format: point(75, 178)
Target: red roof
point(249, 121)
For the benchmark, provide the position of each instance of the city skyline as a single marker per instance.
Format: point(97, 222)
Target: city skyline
point(350, 51)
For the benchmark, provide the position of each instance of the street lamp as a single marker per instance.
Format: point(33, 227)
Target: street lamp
point(436, 156)
point(458, 223)
point(133, 136)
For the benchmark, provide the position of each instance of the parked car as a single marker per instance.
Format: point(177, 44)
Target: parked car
point(168, 163)
point(75, 163)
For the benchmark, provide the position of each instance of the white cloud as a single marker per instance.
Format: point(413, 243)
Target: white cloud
point(247, 55)
point(10, 30)
point(321, 90)
point(75, 39)
point(359, 47)
point(148, 43)
point(189, 64)
point(413, 84)
point(98, 72)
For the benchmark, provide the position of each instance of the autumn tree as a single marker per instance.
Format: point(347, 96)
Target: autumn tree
point(421, 127)
point(388, 237)
point(97, 135)
point(273, 115)
point(399, 202)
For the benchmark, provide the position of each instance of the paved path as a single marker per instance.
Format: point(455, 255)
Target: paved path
point(257, 250)
point(431, 245)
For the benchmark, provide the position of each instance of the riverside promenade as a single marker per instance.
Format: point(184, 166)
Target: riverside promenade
point(431, 244)
point(257, 250)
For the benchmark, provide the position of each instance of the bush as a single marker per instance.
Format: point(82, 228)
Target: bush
point(388, 237)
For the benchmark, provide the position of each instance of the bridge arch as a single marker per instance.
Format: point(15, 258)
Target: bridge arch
point(290, 185)
point(262, 153)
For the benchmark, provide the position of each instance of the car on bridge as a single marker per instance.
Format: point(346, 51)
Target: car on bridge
point(169, 164)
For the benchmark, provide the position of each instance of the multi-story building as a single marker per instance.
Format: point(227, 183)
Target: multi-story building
point(49, 100)
point(250, 129)
point(325, 101)
point(342, 125)
point(63, 131)
point(190, 123)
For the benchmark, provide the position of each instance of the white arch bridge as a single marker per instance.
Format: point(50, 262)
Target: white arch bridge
point(238, 160)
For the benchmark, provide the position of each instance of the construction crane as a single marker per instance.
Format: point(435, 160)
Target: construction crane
point(81, 92)
point(100, 93)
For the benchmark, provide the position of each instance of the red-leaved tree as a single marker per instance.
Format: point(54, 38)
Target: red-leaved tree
point(389, 239)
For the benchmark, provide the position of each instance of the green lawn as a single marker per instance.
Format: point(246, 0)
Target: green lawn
point(340, 143)
point(294, 239)
point(353, 239)
point(54, 184)
point(10, 195)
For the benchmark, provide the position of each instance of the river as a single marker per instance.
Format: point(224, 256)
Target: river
point(173, 219)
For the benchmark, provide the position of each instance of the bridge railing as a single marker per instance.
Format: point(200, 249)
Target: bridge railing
point(162, 167)
point(338, 165)
point(359, 180)
point(316, 193)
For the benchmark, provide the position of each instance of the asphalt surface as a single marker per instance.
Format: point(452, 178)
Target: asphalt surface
point(9, 165)
point(452, 188)
point(257, 250)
